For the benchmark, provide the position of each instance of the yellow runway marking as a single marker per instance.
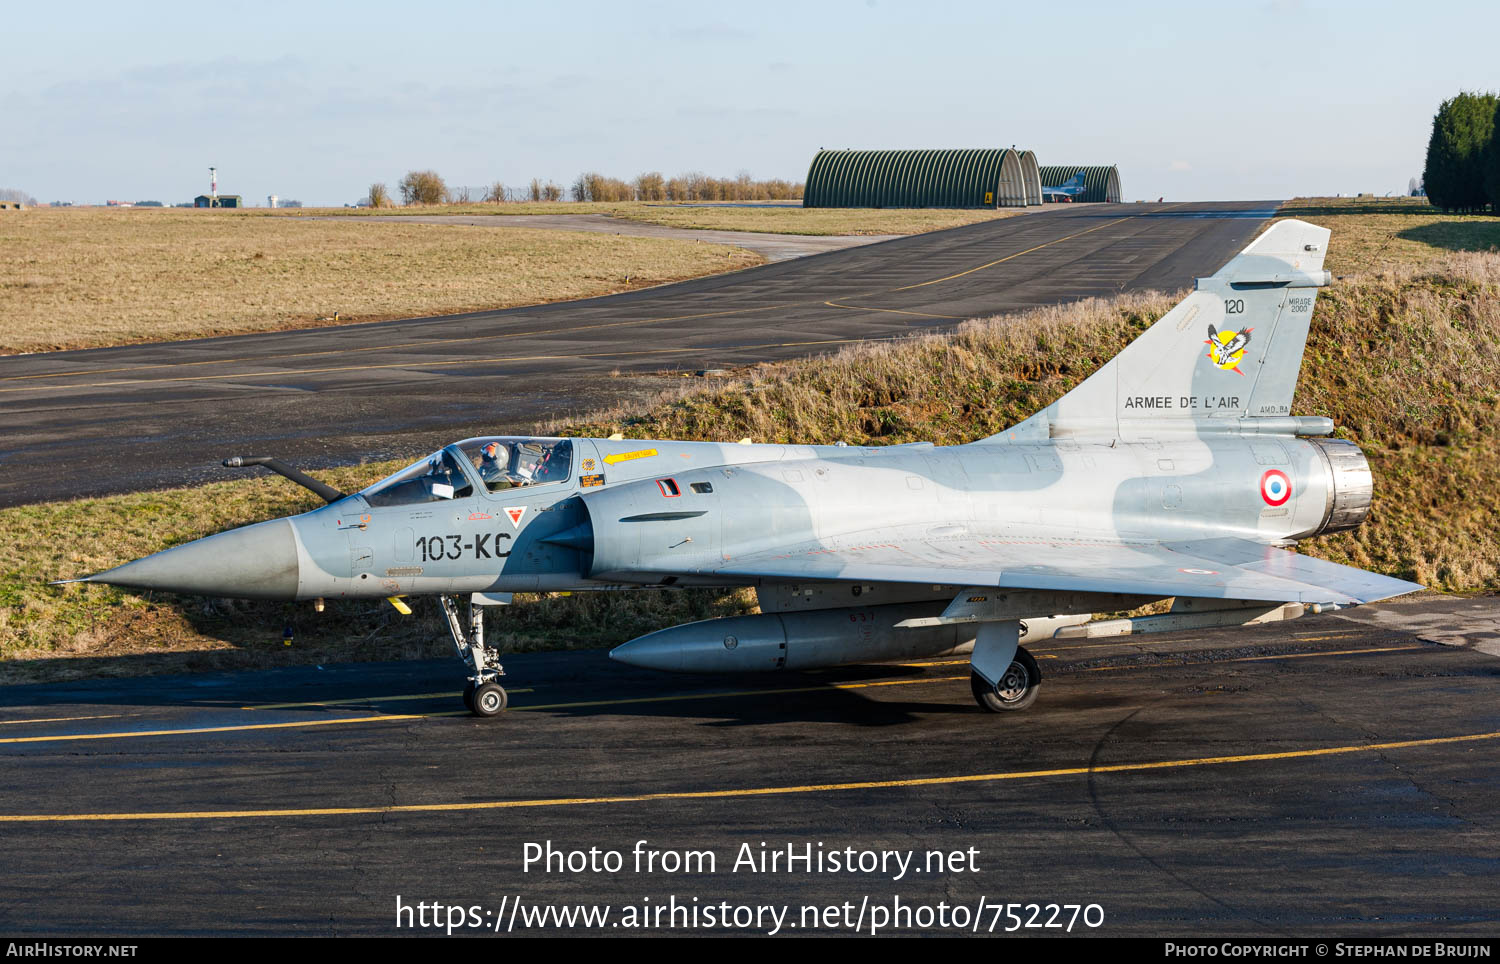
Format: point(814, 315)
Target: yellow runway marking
point(417, 364)
point(1011, 257)
point(1107, 641)
point(431, 343)
point(1312, 639)
point(669, 698)
point(940, 662)
point(57, 738)
point(392, 717)
point(368, 699)
point(732, 793)
point(893, 311)
point(63, 719)
point(777, 692)
point(1255, 659)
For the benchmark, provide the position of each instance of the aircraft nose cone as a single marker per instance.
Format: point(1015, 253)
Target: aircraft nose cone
point(254, 562)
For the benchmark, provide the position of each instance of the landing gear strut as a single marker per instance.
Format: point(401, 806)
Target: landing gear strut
point(1017, 689)
point(483, 696)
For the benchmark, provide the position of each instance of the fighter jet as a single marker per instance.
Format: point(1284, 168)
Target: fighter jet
point(1066, 191)
point(1170, 473)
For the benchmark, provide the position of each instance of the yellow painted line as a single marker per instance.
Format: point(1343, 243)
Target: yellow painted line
point(62, 719)
point(1107, 641)
point(367, 699)
point(1256, 659)
point(683, 697)
point(893, 311)
point(416, 364)
point(939, 662)
point(1335, 652)
point(1011, 257)
point(120, 734)
point(740, 792)
point(676, 697)
point(387, 718)
point(430, 343)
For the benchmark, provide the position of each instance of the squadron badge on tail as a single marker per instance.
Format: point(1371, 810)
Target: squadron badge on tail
point(1226, 349)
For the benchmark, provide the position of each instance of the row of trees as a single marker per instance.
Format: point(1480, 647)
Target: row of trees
point(692, 186)
point(428, 187)
point(1463, 154)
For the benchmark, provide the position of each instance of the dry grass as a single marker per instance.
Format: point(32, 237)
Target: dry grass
point(1371, 234)
point(771, 219)
point(84, 277)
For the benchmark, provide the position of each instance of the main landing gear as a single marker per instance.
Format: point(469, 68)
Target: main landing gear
point(483, 696)
point(1017, 689)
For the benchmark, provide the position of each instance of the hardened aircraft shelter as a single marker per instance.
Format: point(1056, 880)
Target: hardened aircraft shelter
point(977, 178)
point(1101, 182)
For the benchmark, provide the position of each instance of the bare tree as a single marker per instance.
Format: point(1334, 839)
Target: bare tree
point(379, 197)
point(552, 192)
point(536, 189)
point(496, 193)
point(651, 186)
point(423, 187)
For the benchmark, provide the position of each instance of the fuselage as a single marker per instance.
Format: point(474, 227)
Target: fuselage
point(650, 513)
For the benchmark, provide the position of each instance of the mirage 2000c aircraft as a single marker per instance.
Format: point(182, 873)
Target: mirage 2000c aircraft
point(1177, 471)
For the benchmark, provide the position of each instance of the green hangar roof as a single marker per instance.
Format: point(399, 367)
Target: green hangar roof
point(980, 178)
point(1100, 183)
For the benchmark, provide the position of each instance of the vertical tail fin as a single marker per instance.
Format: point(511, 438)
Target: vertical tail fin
point(1230, 351)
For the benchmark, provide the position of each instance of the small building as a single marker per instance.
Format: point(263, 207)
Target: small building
point(219, 201)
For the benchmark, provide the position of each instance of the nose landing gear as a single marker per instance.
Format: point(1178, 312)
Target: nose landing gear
point(483, 696)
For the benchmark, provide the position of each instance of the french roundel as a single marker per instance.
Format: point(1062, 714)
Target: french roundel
point(1275, 487)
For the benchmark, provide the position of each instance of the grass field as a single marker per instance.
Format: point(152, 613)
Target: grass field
point(773, 219)
point(84, 277)
point(1370, 234)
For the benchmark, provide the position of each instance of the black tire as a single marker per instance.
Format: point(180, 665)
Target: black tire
point(489, 700)
point(469, 696)
point(1019, 689)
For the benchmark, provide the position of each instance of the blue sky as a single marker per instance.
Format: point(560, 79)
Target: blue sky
point(315, 101)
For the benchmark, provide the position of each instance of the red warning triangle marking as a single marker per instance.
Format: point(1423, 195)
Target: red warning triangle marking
point(515, 512)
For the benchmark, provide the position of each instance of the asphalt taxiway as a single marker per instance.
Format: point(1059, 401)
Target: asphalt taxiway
point(121, 419)
point(1332, 775)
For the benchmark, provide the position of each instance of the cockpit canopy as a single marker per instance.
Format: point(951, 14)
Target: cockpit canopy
point(491, 463)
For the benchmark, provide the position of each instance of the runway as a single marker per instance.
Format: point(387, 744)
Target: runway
point(122, 419)
point(1328, 776)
